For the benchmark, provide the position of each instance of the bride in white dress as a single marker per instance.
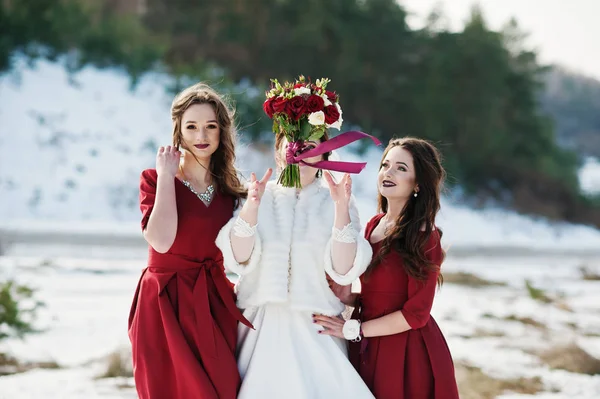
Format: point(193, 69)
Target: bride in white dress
point(283, 244)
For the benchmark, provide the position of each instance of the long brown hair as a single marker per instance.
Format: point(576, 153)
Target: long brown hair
point(222, 162)
point(407, 236)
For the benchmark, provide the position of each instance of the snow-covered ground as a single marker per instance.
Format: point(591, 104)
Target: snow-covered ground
point(84, 319)
point(71, 150)
point(87, 304)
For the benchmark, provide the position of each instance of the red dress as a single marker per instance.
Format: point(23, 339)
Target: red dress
point(415, 364)
point(183, 320)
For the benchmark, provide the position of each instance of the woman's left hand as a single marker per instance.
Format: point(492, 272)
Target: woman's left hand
point(340, 192)
point(333, 325)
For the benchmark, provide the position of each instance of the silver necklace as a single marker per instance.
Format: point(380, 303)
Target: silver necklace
point(388, 226)
point(206, 196)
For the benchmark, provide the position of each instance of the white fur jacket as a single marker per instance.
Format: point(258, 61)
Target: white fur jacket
point(294, 237)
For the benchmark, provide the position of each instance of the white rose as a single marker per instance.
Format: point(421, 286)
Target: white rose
point(316, 118)
point(327, 102)
point(337, 105)
point(301, 90)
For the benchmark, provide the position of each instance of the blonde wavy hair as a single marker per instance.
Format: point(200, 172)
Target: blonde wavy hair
point(222, 162)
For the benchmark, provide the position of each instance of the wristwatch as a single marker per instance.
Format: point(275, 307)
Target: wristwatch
point(352, 331)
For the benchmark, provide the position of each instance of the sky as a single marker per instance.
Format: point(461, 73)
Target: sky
point(565, 32)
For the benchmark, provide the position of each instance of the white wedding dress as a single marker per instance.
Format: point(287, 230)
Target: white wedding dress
point(280, 286)
point(285, 357)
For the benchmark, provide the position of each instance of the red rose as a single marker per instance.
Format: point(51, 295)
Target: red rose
point(331, 114)
point(296, 107)
point(331, 96)
point(298, 85)
point(268, 107)
point(279, 104)
point(314, 103)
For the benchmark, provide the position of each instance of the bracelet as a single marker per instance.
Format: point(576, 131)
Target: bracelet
point(352, 330)
point(241, 228)
point(360, 336)
point(346, 235)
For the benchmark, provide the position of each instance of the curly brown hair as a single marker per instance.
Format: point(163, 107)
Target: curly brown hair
point(222, 162)
point(407, 236)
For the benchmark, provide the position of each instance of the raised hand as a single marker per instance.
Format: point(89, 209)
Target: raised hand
point(167, 161)
point(340, 192)
point(257, 188)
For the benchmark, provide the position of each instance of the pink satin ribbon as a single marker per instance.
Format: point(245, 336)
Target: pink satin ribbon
point(333, 144)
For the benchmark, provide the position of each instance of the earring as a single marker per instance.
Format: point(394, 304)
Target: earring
point(415, 194)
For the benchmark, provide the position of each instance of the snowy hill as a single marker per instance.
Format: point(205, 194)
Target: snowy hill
point(72, 148)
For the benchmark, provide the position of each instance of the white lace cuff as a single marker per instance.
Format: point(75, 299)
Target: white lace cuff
point(346, 235)
point(241, 228)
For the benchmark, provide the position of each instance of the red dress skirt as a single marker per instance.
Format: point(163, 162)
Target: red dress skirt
point(183, 320)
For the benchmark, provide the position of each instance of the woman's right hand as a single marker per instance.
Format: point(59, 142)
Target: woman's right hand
point(167, 161)
point(242, 246)
point(342, 292)
point(257, 189)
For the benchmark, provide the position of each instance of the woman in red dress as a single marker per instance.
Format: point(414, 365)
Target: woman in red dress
point(183, 321)
point(397, 346)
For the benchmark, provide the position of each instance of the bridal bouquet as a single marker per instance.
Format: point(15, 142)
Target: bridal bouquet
point(303, 111)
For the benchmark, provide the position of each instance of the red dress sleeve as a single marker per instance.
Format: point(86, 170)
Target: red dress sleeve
point(417, 308)
point(147, 194)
